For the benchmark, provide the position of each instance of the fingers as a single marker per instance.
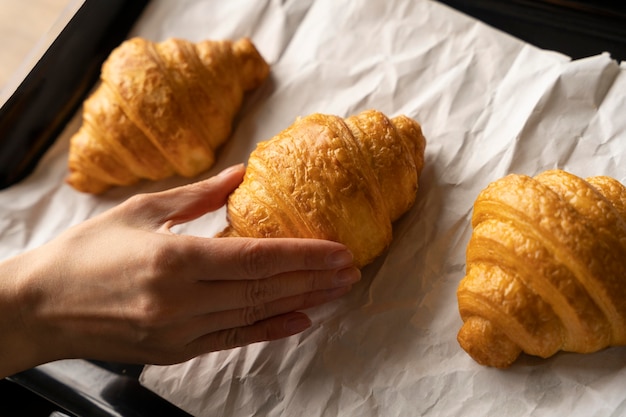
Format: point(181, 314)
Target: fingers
point(271, 329)
point(248, 258)
point(192, 334)
point(218, 311)
point(208, 296)
point(249, 316)
point(186, 203)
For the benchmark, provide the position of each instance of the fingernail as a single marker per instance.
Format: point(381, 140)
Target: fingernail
point(347, 276)
point(297, 324)
point(229, 170)
point(339, 258)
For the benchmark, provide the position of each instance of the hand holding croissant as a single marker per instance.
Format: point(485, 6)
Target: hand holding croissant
point(546, 268)
point(123, 287)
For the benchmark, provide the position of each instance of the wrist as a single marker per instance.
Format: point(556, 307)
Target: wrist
point(21, 346)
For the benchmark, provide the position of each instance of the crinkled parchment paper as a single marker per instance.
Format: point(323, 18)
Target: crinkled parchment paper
point(489, 105)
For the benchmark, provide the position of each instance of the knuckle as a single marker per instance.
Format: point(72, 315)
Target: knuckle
point(236, 337)
point(318, 280)
point(242, 336)
point(152, 304)
point(232, 338)
point(150, 312)
point(253, 314)
point(162, 257)
point(137, 202)
point(255, 259)
point(310, 281)
point(260, 291)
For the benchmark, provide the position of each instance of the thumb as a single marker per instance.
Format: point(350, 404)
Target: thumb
point(186, 203)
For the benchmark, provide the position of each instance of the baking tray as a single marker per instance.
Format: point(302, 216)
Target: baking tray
point(38, 110)
point(95, 389)
point(577, 28)
point(50, 95)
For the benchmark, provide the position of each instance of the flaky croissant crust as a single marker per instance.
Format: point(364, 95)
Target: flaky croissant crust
point(161, 109)
point(331, 178)
point(546, 268)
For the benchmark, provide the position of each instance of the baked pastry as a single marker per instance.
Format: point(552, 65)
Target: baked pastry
point(546, 268)
point(161, 109)
point(331, 178)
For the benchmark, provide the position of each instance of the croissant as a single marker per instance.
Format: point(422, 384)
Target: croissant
point(161, 109)
point(331, 178)
point(546, 268)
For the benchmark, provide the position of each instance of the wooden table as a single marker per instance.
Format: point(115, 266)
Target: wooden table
point(27, 28)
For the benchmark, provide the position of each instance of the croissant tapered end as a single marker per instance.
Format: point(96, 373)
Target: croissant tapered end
point(86, 184)
point(253, 68)
point(331, 178)
point(161, 109)
point(486, 344)
point(546, 268)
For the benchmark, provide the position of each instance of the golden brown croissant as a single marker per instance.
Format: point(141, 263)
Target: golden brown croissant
point(161, 109)
point(546, 268)
point(331, 178)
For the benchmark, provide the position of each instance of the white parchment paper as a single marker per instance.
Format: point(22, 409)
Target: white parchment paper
point(489, 105)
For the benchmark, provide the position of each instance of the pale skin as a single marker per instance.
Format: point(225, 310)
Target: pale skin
point(123, 287)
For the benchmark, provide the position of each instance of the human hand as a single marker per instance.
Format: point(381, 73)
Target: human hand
point(122, 287)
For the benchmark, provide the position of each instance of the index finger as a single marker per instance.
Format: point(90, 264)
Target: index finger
point(237, 258)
